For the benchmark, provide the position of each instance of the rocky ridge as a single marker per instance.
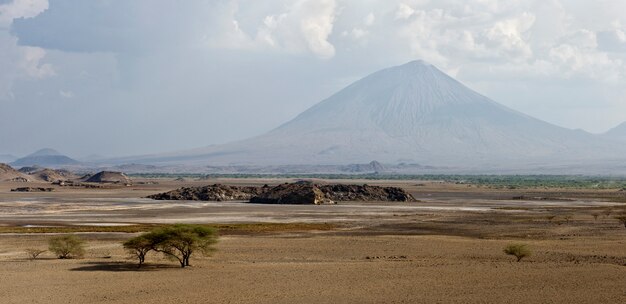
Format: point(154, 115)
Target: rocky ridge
point(216, 192)
point(289, 193)
point(7, 173)
point(50, 175)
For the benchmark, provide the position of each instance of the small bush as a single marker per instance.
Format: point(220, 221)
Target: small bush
point(520, 251)
point(34, 253)
point(595, 215)
point(67, 247)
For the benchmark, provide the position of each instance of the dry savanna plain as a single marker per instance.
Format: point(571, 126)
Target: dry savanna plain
point(445, 248)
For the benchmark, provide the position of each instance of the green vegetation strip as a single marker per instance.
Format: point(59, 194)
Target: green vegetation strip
point(498, 181)
point(222, 228)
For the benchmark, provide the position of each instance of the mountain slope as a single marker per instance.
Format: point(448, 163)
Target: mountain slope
point(45, 158)
point(618, 132)
point(7, 173)
point(409, 113)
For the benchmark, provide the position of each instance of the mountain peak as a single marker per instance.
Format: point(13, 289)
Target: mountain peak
point(417, 67)
point(45, 152)
point(45, 157)
point(417, 63)
point(398, 101)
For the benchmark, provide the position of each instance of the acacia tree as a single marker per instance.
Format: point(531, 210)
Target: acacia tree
point(34, 253)
point(177, 241)
point(138, 247)
point(67, 246)
point(180, 241)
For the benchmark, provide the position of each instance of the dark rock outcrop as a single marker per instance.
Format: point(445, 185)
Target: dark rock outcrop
point(296, 193)
point(302, 192)
point(340, 192)
point(215, 192)
point(32, 189)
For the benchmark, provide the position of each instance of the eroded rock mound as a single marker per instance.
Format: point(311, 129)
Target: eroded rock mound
point(215, 192)
point(340, 192)
point(296, 193)
point(110, 177)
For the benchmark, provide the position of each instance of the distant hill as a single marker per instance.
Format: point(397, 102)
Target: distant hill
point(618, 132)
point(7, 173)
point(109, 177)
point(31, 169)
point(45, 158)
point(51, 175)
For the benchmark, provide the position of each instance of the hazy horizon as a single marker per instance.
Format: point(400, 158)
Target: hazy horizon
point(143, 77)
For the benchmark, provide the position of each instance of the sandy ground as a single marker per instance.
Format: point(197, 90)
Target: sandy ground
point(445, 249)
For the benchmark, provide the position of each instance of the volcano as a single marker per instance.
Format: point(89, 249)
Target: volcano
point(412, 113)
point(46, 158)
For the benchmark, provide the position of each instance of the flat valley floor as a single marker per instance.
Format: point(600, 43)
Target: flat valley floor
point(446, 248)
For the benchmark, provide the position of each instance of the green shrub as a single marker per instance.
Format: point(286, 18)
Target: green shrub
point(520, 251)
point(67, 247)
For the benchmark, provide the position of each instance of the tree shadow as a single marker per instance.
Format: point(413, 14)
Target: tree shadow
point(121, 266)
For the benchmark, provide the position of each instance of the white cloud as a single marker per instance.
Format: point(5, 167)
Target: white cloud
point(30, 62)
point(317, 24)
point(614, 39)
point(583, 38)
point(579, 61)
point(20, 62)
point(21, 9)
point(508, 36)
point(404, 11)
point(369, 19)
point(303, 26)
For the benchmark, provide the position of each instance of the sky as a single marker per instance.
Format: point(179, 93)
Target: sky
point(115, 78)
